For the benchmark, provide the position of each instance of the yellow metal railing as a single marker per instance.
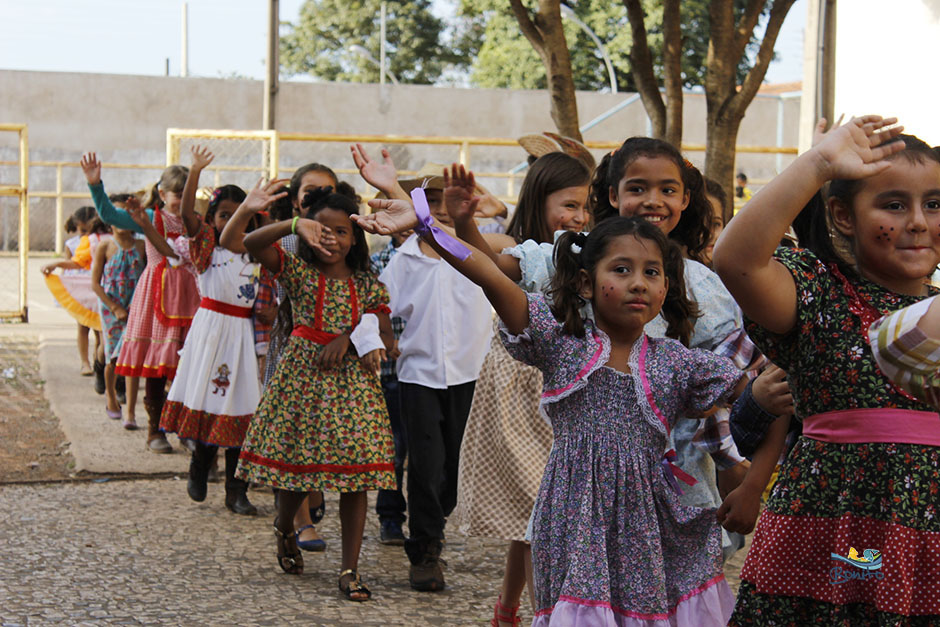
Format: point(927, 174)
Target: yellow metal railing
point(270, 156)
point(21, 191)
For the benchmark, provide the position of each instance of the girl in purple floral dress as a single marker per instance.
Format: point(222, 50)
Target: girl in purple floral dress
point(612, 545)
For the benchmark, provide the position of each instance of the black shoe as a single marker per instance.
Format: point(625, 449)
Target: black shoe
point(199, 471)
point(99, 377)
point(390, 533)
point(236, 490)
point(196, 485)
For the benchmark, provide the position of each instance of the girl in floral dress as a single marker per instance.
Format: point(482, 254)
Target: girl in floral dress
point(322, 422)
point(166, 297)
point(117, 266)
point(851, 532)
point(611, 544)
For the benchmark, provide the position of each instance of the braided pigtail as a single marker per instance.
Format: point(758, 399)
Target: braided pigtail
point(566, 283)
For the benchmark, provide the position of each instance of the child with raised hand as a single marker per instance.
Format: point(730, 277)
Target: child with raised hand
point(166, 297)
point(217, 388)
point(322, 423)
point(860, 475)
point(442, 347)
point(507, 441)
point(117, 266)
point(610, 538)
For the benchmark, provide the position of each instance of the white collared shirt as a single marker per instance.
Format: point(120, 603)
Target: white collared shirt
point(449, 320)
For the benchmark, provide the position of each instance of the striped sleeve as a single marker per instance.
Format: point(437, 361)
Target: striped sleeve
point(905, 354)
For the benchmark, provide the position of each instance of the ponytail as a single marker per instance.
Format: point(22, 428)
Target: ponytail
point(566, 283)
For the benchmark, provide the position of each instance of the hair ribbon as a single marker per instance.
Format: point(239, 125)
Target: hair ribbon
point(426, 227)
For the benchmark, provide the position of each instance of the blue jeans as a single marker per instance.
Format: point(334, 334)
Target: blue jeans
point(390, 504)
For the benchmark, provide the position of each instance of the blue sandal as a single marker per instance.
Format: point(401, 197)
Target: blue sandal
point(315, 546)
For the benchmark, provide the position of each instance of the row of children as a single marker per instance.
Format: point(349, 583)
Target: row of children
point(98, 278)
point(611, 324)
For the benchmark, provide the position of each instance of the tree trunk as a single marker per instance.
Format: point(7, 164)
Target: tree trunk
point(547, 36)
point(726, 101)
point(672, 72)
point(720, 140)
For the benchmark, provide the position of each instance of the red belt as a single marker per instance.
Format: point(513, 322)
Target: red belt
point(315, 335)
point(225, 308)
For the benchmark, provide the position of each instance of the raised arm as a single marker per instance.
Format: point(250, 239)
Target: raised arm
point(260, 242)
point(382, 175)
point(232, 237)
point(743, 255)
point(462, 206)
point(201, 158)
point(145, 226)
point(106, 210)
point(507, 298)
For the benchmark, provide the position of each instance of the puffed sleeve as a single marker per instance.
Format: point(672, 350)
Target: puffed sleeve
point(201, 246)
point(905, 354)
point(708, 380)
point(534, 345)
point(374, 294)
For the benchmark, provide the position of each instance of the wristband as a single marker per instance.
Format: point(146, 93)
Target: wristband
point(293, 225)
point(426, 227)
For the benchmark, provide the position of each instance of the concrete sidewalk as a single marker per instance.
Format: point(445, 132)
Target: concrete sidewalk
point(97, 443)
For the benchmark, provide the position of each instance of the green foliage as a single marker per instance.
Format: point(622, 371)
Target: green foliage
point(502, 57)
point(318, 43)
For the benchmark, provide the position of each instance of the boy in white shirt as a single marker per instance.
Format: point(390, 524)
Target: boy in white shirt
point(447, 334)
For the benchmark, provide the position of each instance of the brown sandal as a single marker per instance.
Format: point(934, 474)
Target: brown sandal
point(289, 557)
point(355, 586)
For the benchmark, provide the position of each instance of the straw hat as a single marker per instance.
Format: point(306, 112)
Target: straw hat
point(574, 148)
point(548, 142)
point(430, 176)
point(539, 145)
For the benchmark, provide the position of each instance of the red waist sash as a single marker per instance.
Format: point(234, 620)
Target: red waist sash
point(225, 308)
point(315, 335)
point(858, 426)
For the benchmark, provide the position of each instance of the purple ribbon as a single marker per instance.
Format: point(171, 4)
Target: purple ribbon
point(671, 471)
point(426, 227)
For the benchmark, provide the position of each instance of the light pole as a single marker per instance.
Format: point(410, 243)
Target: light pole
point(568, 12)
point(362, 52)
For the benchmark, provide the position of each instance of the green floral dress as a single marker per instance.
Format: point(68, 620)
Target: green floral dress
point(831, 498)
point(322, 429)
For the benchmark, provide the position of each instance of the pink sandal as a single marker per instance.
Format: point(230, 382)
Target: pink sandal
point(113, 415)
point(130, 424)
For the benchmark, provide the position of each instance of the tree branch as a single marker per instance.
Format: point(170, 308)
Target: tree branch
point(754, 78)
point(528, 26)
point(744, 29)
point(641, 64)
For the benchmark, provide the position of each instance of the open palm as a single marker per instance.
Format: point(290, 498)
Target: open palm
point(391, 216)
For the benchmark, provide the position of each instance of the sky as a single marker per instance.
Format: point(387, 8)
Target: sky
point(226, 37)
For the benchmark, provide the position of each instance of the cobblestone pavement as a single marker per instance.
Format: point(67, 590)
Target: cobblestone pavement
point(140, 552)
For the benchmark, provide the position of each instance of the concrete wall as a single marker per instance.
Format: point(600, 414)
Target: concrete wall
point(124, 119)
